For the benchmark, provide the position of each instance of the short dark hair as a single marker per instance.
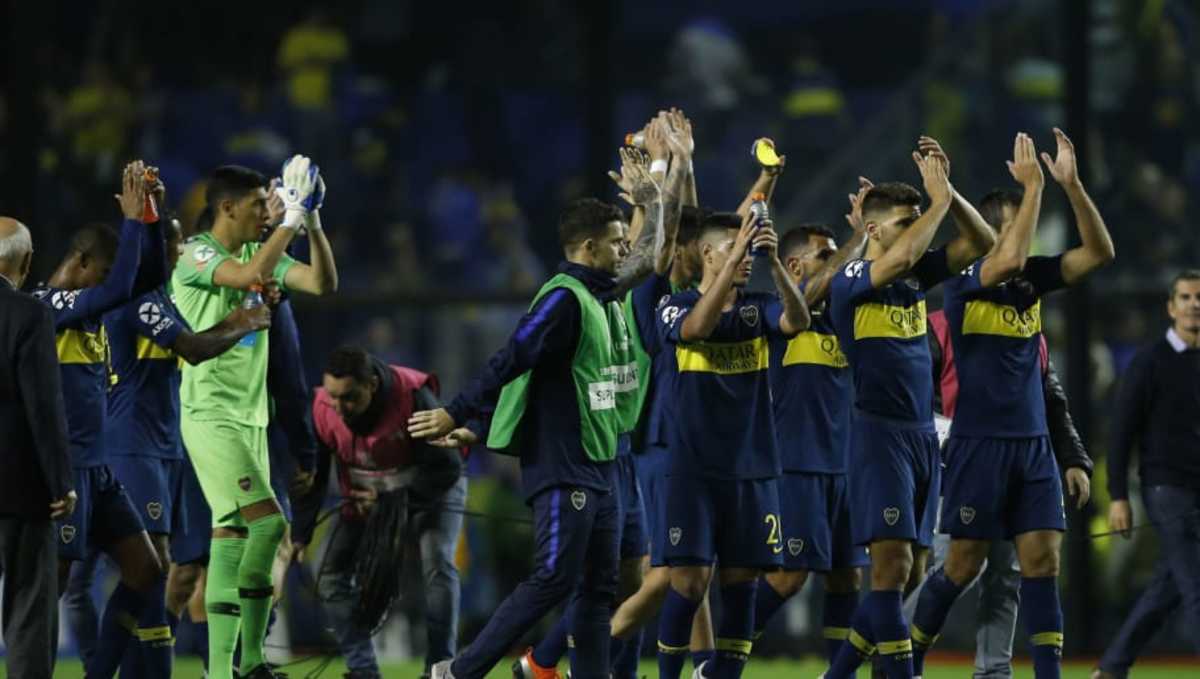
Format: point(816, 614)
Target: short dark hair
point(96, 239)
point(991, 206)
point(690, 219)
point(1185, 275)
point(888, 195)
point(585, 218)
point(231, 182)
point(719, 221)
point(350, 361)
point(798, 238)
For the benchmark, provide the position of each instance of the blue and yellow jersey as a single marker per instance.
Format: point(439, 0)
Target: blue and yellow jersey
point(645, 301)
point(882, 333)
point(811, 396)
point(997, 342)
point(720, 394)
point(143, 406)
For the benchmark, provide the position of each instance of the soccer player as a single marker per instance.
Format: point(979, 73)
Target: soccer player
point(99, 273)
point(811, 394)
point(721, 498)
point(557, 383)
point(1157, 411)
point(1001, 479)
point(667, 136)
point(224, 402)
point(878, 309)
point(146, 339)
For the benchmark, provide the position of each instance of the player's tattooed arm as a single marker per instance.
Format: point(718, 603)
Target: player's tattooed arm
point(816, 288)
point(975, 236)
point(795, 318)
point(1012, 250)
point(649, 244)
point(912, 243)
point(199, 347)
point(1097, 249)
point(675, 191)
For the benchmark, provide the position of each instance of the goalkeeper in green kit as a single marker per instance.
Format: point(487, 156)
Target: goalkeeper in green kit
point(224, 400)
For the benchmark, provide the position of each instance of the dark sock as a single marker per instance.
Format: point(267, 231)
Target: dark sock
point(1044, 621)
point(767, 602)
point(117, 628)
point(892, 642)
point(156, 633)
point(860, 642)
point(674, 631)
point(554, 645)
point(839, 610)
point(933, 607)
point(701, 657)
point(626, 656)
point(735, 631)
point(591, 633)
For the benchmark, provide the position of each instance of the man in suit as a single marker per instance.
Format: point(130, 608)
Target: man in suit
point(36, 485)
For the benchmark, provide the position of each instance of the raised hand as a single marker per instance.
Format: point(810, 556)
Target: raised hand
point(274, 203)
point(1064, 167)
point(928, 146)
point(745, 236)
point(299, 180)
point(766, 240)
point(133, 191)
point(1024, 166)
point(680, 139)
point(934, 176)
point(656, 137)
point(855, 218)
point(631, 158)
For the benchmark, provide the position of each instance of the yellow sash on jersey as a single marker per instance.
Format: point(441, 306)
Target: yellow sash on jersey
point(76, 346)
point(816, 349)
point(888, 321)
point(723, 358)
point(988, 318)
point(146, 348)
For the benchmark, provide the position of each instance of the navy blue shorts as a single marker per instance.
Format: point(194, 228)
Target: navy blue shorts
point(735, 522)
point(103, 515)
point(631, 513)
point(190, 544)
point(652, 475)
point(895, 478)
point(155, 486)
point(815, 509)
point(283, 468)
point(996, 489)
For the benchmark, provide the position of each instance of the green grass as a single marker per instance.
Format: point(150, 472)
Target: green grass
point(189, 668)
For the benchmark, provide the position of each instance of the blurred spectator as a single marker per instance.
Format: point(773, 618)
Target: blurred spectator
point(308, 55)
point(96, 118)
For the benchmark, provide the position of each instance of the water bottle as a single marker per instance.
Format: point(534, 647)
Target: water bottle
point(638, 140)
point(758, 208)
point(253, 298)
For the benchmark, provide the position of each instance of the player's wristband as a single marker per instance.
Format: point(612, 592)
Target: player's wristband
point(293, 219)
point(659, 165)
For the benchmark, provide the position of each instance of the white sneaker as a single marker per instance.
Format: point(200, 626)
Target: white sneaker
point(698, 673)
point(441, 670)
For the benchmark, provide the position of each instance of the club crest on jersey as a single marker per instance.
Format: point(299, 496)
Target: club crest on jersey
point(149, 313)
point(675, 535)
point(749, 315)
point(244, 483)
point(67, 533)
point(891, 515)
point(912, 282)
point(795, 546)
point(154, 510)
point(966, 515)
point(579, 500)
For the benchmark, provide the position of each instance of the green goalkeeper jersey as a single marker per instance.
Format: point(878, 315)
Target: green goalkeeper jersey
point(232, 386)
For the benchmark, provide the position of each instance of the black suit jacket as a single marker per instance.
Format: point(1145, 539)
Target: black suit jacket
point(35, 463)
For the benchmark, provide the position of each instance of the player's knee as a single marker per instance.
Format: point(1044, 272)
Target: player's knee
point(631, 578)
point(146, 573)
point(181, 583)
point(271, 528)
point(1043, 563)
point(844, 580)
point(891, 565)
point(786, 583)
point(963, 570)
point(690, 583)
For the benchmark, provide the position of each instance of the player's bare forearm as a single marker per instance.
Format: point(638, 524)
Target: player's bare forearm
point(197, 348)
point(1015, 242)
point(323, 263)
point(644, 251)
point(817, 287)
point(1097, 249)
point(910, 246)
point(231, 274)
point(703, 318)
point(975, 236)
point(690, 197)
point(637, 222)
point(672, 210)
point(765, 184)
point(795, 318)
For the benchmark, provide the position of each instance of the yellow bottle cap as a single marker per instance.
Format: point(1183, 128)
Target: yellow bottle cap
point(764, 152)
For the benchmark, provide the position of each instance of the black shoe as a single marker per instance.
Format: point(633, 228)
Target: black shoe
point(264, 671)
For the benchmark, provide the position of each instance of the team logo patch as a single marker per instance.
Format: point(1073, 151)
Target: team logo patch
point(854, 269)
point(67, 533)
point(675, 535)
point(579, 500)
point(795, 546)
point(149, 313)
point(662, 302)
point(61, 299)
point(204, 253)
point(912, 283)
point(669, 314)
point(244, 483)
point(966, 515)
point(749, 315)
point(891, 515)
point(154, 510)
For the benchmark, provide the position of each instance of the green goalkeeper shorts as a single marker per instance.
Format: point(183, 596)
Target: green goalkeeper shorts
point(232, 464)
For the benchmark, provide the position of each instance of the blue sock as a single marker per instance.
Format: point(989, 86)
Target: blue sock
point(627, 653)
point(202, 642)
point(933, 607)
point(892, 641)
point(674, 632)
point(554, 645)
point(735, 632)
point(156, 632)
point(591, 634)
point(701, 657)
point(839, 610)
point(767, 602)
point(117, 627)
point(860, 642)
point(1044, 621)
